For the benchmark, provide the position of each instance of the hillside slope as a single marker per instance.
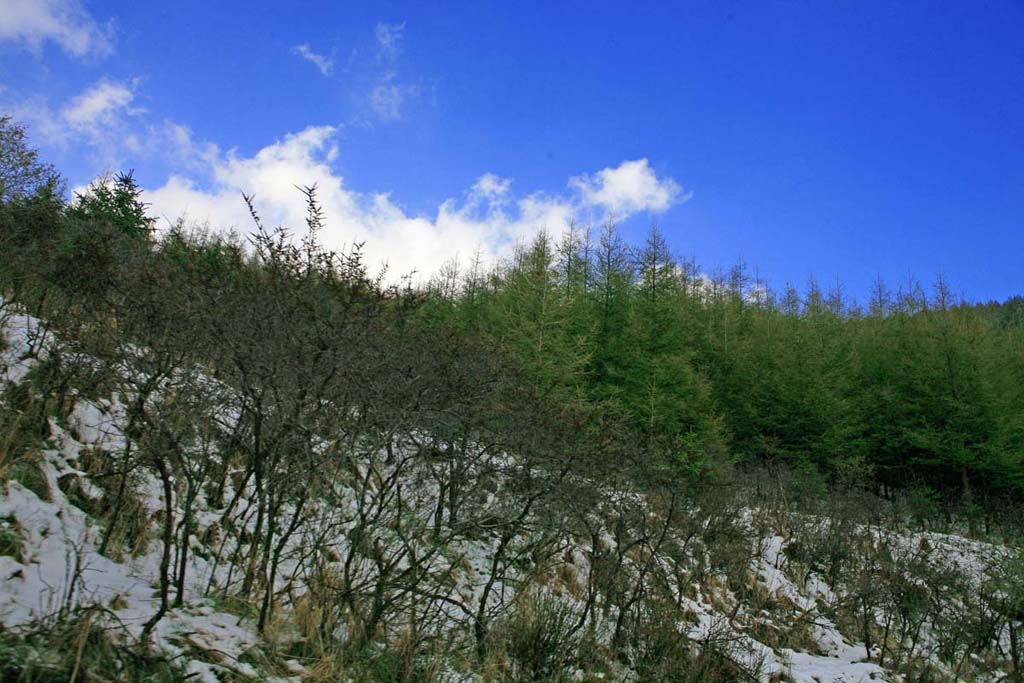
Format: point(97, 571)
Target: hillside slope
point(377, 575)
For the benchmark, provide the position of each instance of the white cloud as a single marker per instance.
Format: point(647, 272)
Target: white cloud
point(325, 64)
point(629, 188)
point(488, 218)
point(104, 126)
point(100, 107)
point(491, 186)
point(66, 22)
point(101, 115)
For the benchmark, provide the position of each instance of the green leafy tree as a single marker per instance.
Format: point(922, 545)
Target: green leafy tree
point(116, 201)
point(22, 174)
point(670, 402)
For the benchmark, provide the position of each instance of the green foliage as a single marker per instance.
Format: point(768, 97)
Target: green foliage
point(76, 649)
point(577, 368)
point(115, 201)
point(592, 325)
point(540, 639)
point(661, 650)
point(1005, 587)
point(12, 541)
point(687, 372)
point(28, 474)
point(22, 174)
point(704, 371)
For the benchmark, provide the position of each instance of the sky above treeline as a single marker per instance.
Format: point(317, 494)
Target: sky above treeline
point(843, 140)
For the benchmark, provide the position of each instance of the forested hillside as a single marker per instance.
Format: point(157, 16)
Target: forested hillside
point(914, 390)
point(592, 461)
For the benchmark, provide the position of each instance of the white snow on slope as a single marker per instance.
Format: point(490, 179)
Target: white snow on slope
point(60, 565)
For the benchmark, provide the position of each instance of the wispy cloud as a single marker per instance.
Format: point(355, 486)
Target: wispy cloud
point(105, 125)
point(389, 93)
point(324, 64)
point(65, 22)
point(386, 99)
point(101, 107)
point(389, 40)
point(99, 115)
point(380, 93)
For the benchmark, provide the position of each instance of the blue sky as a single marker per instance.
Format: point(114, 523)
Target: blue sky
point(843, 140)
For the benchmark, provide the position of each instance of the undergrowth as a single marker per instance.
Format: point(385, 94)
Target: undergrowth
point(83, 647)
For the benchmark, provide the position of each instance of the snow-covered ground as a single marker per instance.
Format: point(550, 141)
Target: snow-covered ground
point(59, 566)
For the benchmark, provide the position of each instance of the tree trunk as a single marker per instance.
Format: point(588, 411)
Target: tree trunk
point(165, 559)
